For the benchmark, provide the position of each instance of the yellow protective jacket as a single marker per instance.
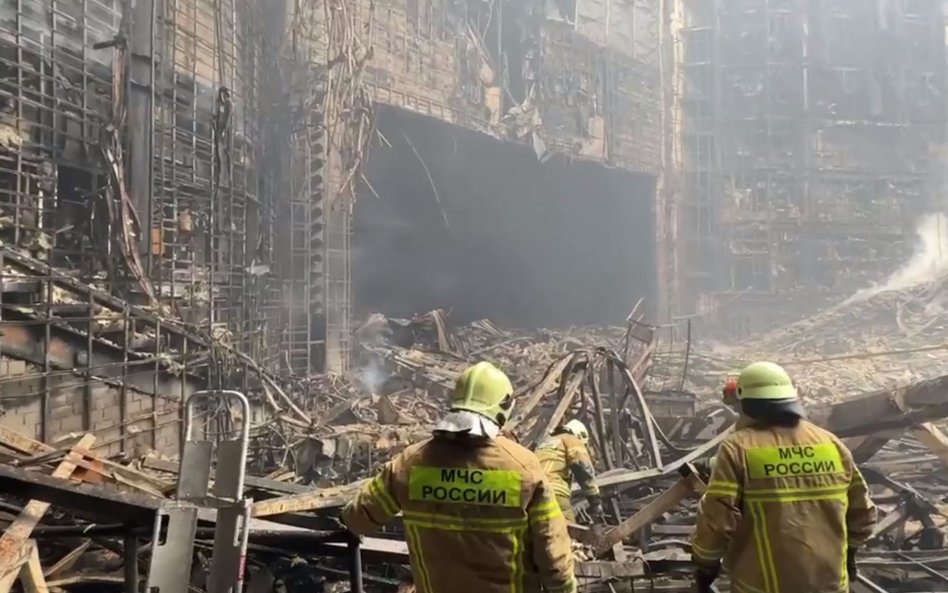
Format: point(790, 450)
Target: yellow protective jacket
point(564, 458)
point(479, 517)
point(781, 508)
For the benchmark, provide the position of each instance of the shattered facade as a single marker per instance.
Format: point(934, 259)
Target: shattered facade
point(178, 175)
point(810, 135)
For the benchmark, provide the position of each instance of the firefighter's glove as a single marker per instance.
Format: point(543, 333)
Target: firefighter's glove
point(851, 564)
point(704, 467)
point(704, 578)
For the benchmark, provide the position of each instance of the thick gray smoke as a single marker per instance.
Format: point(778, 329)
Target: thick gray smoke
point(929, 262)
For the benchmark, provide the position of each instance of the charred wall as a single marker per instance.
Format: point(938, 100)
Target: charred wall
point(577, 79)
point(583, 82)
point(136, 214)
point(175, 184)
point(809, 130)
point(494, 233)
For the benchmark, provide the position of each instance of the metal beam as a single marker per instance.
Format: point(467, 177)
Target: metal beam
point(107, 504)
point(141, 113)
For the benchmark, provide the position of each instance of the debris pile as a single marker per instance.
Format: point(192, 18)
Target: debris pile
point(873, 340)
point(336, 429)
point(323, 436)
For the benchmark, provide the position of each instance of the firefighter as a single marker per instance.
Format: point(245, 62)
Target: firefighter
point(785, 508)
point(564, 457)
point(479, 516)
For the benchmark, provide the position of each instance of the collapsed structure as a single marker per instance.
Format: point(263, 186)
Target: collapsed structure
point(181, 182)
point(206, 194)
point(324, 443)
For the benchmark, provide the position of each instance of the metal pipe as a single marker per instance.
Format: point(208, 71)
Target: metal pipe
point(355, 565)
point(865, 582)
point(130, 558)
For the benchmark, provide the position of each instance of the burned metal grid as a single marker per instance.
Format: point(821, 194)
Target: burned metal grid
point(580, 81)
point(74, 356)
point(807, 142)
point(300, 217)
point(303, 223)
point(77, 359)
point(208, 253)
point(55, 89)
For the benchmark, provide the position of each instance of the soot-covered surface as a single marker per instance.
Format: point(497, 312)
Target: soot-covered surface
point(523, 243)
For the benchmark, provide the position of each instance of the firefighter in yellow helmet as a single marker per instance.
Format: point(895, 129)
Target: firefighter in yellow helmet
point(478, 513)
point(564, 458)
point(785, 508)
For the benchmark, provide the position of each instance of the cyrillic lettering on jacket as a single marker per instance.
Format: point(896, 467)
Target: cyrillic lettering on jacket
point(452, 485)
point(798, 460)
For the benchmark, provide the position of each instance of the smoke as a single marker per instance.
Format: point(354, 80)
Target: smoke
point(373, 376)
point(928, 262)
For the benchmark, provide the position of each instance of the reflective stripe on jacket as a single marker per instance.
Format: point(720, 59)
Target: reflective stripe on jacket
point(479, 517)
point(564, 458)
point(781, 508)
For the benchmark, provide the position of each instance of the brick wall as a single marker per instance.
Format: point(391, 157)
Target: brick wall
point(151, 421)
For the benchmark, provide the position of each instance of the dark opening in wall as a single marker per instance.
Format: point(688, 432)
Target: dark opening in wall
point(496, 234)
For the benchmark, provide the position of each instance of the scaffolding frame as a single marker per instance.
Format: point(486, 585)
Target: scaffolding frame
point(806, 141)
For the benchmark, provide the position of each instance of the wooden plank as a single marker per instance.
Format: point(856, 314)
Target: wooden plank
point(97, 503)
point(932, 437)
point(529, 402)
point(40, 452)
point(891, 521)
point(68, 561)
point(22, 444)
point(32, 574)
point(88, 579)
point(309, 501)
point(14, 541)
point(665, 502)
point(253, 482)
point(543, 428)
point(866, 446)
point(608, 571)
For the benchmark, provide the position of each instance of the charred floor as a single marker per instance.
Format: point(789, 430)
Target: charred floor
point(332, 207)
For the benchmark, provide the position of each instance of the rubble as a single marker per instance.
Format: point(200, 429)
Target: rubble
point(876, 339)
point(322, 436)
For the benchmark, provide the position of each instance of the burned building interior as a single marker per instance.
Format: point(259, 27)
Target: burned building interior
point(332, 207)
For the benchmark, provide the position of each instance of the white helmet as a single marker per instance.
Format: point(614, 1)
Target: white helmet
point(577, 429)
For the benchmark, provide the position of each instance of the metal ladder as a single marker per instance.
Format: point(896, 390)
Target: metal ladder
point(176, 523)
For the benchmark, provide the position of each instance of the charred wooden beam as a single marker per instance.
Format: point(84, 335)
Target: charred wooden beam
point(250, 482)
point(532, 396)
point(546, 425)
point(886, 410)
point(86, 500)
point(307, 501)
point(14, 548)
point(666, 501)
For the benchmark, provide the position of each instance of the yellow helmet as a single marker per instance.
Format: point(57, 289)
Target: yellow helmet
point(485, 390)
point(765, 380)
point(764, 388)
point(577, 429)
